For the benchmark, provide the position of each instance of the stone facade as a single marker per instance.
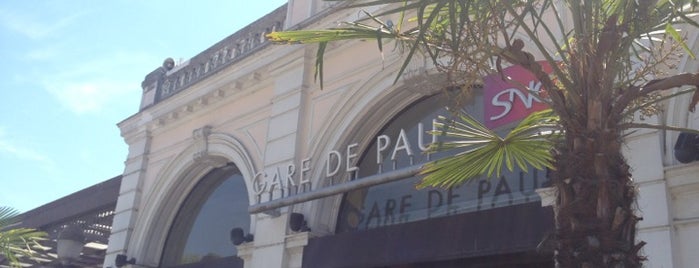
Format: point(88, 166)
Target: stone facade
point(245, 102)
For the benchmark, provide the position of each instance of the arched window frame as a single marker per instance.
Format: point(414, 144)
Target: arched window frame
point(208, 187)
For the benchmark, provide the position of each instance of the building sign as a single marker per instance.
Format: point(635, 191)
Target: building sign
point(399, 149)
point(508, 102)
point(402, 144)
point(399, 202)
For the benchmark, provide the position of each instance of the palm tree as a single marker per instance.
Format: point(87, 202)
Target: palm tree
point(609, 62)
point(16, 242)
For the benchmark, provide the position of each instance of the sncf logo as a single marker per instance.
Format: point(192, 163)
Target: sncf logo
point(506, 99)
point(507, 102)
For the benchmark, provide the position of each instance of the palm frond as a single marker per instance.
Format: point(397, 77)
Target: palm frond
point(16, 242)
point(327, 35)
point(354, 31)
point(485, 153)
point(8, 216)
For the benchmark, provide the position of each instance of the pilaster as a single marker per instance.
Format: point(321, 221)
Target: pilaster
point(127, 209)
point(272, 246)
point(643, 153)
point(269, 251)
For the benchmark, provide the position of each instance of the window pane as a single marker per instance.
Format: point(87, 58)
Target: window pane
point(399, 201)
point(201, 230)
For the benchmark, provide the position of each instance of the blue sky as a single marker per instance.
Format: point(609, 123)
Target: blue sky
point(72, 70)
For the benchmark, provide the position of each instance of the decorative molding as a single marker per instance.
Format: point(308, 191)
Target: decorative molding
point(163, 115)
point(176, 178)
point(245, 251)
point(227, 52)
point(376, 100)
point(547, 195)
point(201, 142)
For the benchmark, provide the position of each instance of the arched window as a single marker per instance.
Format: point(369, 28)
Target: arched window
point(200, 232)
point(399, 201)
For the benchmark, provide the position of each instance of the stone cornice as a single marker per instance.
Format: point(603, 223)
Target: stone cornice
point(166, 81)
point(683, 178)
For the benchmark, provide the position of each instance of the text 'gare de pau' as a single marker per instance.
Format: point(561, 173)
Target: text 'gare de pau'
point(504, 103)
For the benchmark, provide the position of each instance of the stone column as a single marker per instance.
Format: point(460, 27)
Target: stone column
point(643, 152)
point(127, 208)
point(282, 149)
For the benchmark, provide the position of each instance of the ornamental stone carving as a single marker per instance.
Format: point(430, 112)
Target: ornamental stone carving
point(201, 142)
point(224, 53)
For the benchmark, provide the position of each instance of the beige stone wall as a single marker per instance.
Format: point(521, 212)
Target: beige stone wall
point(267, 111)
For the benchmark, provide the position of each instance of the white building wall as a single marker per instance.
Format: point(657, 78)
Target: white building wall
point(642, 152)
point(267, 111)
point(682, 180)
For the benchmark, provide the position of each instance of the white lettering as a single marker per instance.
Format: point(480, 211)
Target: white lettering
point(334, 171)
point(276, 181)
point(421, 132)
point(382, 143)
point(527, 99)
point(305, 167)
point(506, 105)
point(290, 170)
point(259, 185)
point(351, 156)
point(280, 180)
point(401, 144)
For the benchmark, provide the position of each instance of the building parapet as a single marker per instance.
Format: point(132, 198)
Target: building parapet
point(168, 80)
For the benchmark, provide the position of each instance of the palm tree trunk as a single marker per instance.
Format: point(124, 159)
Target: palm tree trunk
point(595, 222)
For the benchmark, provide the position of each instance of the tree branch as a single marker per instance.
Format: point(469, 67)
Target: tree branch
point(661, 127)
point(635, 92)
point(515, 54)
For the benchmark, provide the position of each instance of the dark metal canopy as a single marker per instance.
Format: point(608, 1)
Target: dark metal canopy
point(90, 209)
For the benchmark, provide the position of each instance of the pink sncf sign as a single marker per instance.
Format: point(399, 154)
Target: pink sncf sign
point(507, 102)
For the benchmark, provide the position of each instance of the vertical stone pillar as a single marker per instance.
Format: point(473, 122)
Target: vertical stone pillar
point(645, 158)
point(282, 149)
point(301, 10)
point(273, 247)
point(245, 253)
point(298, 11)
point(294, 249)
point(270, 232)
point(127, 208)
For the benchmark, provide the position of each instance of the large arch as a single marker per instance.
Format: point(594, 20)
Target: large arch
point(207, 150)
point(366, 109)
point(676, 113)
point(379, 106)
